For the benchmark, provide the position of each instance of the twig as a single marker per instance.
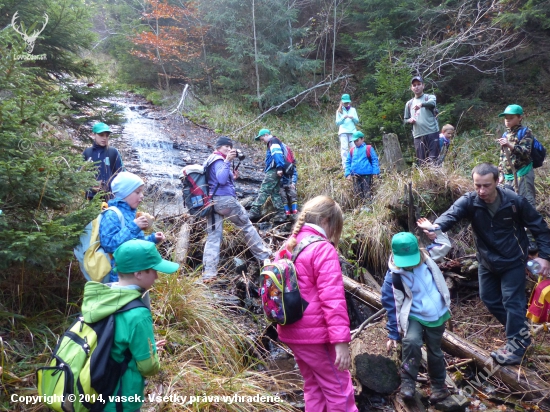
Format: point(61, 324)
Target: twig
point(329, 83)
point(456, 365)
point(365, 323)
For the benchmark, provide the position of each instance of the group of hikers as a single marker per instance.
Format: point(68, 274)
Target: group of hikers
point(414, 291)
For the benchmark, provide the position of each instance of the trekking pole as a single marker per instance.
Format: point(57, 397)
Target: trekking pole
point(509, 159)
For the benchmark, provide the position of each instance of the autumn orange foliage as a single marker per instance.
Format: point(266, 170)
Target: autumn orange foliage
point(173, 35)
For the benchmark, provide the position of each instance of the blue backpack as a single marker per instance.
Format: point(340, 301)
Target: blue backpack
point(538, 152)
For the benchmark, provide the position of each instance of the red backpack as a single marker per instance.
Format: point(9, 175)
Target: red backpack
point(368, 152)
point(288, 168)
point(539, 304)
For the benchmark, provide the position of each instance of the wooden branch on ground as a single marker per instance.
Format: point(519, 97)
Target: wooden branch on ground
point(520, 379)
point(183, 94)
point(272, 108)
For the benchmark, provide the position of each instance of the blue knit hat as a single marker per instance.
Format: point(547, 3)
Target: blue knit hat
point(125, 183)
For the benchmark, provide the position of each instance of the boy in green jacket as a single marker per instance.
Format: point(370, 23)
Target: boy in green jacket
point(137, 263)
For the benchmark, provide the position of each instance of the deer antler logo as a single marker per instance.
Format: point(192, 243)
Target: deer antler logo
point(29, 39)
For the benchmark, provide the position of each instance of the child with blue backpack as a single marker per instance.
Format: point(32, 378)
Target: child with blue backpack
point(518, 142)
point(320, 339)
point(361, 165)
point(119, 223)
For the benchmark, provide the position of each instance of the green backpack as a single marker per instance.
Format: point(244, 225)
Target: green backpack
point(82, 375)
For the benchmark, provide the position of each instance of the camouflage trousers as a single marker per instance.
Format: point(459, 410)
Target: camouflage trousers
point(228, 207)
point(270, 187)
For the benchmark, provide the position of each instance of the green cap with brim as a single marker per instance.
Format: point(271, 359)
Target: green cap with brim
point(100, 128)
point(346, 98)
point(357, 135)
point(405, 250)
point(262, 133)
point(135, 255)
point(512, 109)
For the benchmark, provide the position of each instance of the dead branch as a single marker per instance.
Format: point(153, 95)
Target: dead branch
point(472, 38)
point(307, 91)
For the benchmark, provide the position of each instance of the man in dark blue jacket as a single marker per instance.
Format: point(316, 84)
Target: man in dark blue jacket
point(106, 158)
point(499, 218)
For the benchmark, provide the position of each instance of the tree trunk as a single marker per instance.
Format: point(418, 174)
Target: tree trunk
point(393, 156)
point(256, 58)
point(182, 243)
point(527, 383)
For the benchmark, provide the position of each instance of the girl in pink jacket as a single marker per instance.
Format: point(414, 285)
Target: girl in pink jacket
point(320, 339)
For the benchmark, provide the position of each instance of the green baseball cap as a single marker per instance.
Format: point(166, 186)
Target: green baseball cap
point(100, 128)
point(405, 250)
point(261, 133)
point(512, 109)
point(135, 255)
point(346, 98)
point(357, 135)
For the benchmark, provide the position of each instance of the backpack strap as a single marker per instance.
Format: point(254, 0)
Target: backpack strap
point(87, 153)
point(118, 213)
point(305, 242)
point(368, 152)
point(113, 154)
point(352, 150)
point(136, 303)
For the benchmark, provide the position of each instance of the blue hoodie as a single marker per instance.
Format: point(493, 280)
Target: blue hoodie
point(359, 163)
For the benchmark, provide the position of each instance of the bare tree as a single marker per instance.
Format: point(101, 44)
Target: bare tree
point(256, 58)
point(472, 38)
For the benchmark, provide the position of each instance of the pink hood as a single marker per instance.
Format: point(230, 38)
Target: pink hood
point(325, 319)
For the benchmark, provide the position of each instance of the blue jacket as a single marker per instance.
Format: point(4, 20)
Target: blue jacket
point(111, 233)
point(359, 164)
point(220, 174)
point(274, 158)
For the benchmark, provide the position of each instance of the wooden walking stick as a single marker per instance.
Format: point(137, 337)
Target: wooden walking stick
point(509, 159)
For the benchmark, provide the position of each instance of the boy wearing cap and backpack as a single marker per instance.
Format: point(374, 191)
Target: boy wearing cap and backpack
point(271, 185)
point(420, 111)
point(346, 119)
point(137, 263)
point(361, 164)
point(517, 144)
point(107, 159)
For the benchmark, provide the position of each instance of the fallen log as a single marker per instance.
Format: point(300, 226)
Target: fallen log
point(522, 381)
point(182, 242)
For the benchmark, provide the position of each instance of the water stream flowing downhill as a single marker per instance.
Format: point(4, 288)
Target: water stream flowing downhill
point(157, 147)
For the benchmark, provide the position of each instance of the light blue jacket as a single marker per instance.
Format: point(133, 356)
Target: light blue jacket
point(425, 296)
point(346, 125)
point(359, 164)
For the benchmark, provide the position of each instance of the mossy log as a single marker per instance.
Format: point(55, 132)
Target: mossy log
point(523, 382)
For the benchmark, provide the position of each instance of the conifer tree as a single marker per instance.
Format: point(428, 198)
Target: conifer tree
point(42, 176)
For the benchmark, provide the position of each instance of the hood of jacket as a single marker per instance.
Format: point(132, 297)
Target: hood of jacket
point(101, 300)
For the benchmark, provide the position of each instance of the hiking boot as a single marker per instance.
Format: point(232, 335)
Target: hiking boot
point(506, 358)
point(254, 215)
point(439, 393)
point(408, 388)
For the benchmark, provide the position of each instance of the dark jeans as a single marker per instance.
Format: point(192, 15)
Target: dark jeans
point(504, 295)
point(412, 352)
point(427, 148)
point(362, 185)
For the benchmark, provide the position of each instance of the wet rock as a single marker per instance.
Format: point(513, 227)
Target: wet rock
point(240, 265)
point(453, 403)
point(377, 372)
